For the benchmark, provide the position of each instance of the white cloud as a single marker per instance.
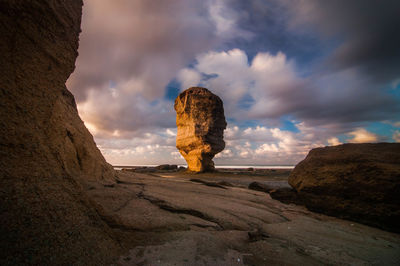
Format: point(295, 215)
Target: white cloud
point(171, 132)
point(231, 132)
point(120, 115)
point(155, 147)
point(263, 145)
point(227, 153)
point(267, 148)
point(361, 135)
point(264, 81)
point(396, 136)
point(188, 78)
point(270, 86)
point(252, 145)
point(334, 141)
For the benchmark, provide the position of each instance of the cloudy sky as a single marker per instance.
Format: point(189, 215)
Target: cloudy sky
point(293, 75)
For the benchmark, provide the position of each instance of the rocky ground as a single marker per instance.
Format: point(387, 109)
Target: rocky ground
point(176, 218)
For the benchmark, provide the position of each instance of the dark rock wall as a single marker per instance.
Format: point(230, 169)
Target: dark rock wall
point(45, 150)
point(360, 182)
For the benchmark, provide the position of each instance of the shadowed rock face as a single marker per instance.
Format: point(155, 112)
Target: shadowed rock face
point(46, 153)
point(356, 181)
point(201, 122)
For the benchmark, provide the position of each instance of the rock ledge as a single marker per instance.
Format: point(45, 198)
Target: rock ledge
point(360, 182)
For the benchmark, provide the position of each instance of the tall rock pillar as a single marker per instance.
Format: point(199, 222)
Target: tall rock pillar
point(201, 122)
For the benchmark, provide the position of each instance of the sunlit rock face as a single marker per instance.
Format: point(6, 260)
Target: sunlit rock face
point(201, 122)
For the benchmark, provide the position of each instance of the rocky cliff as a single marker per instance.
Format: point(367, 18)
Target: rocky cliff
point(46, 153)
point(201, 122)
point(356, 181)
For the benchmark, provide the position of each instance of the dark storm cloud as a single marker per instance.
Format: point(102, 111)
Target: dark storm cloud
point(276, 89)
point(367, 32)
point(138, 43)
point(346, 52)
point(355, 33)
point(268, 20)
point(129, 51)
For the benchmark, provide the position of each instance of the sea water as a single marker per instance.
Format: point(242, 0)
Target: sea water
point(118, 167)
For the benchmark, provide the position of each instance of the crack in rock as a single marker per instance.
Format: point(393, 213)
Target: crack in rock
point(206, 183)
point(165, 206)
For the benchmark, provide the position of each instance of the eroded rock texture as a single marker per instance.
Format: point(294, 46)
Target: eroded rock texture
point(45, 150)
point(201, 122)
point(356, 181)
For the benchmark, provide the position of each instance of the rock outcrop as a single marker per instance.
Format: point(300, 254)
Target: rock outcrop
point(201, 122)
point(46, 153)
point(355, 181)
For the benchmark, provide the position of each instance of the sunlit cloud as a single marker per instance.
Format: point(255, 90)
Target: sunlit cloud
point(270, 86)
point(396, 136)
point(361, 135)
point(334, 141)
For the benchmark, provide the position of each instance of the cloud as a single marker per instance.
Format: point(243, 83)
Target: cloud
point(366, 30)
point(361, 135)
point(130, 50)
point(396, 136)
point(268, 145)
point(144, 43)
point(139, 43)
point(226, 20)
point(324, 69)
point(120, 115)
point(149, 147)
point(334, 141)
point(271, 86)
point(188, 78)
point(251, 145)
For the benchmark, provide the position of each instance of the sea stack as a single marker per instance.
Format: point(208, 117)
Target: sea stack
point(201, 122)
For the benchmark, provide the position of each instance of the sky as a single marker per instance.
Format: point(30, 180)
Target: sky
point(293, 75)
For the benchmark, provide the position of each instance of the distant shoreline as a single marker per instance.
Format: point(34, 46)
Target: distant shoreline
point(118, 167)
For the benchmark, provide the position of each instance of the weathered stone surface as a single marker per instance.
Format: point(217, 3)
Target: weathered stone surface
point(201, 122)
point(45, 150)
point(191, 223)
point(260, 187)
point(354, 181)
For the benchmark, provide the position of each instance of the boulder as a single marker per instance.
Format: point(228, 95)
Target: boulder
point(360, 182)
point(201, 122)
point(166, 167)
point(46, 153)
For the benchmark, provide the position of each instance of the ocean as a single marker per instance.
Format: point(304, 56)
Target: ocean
point(119, 167)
